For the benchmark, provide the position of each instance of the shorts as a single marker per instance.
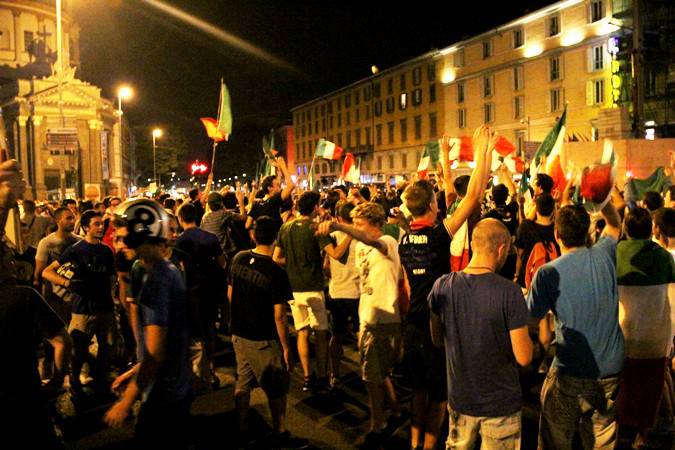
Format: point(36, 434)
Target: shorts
point(260, 363)
point(424, 363)
point(309, 310)
point(379, 348)
point(344, 311)
point(102, 324)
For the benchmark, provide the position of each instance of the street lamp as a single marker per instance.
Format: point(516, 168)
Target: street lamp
point(156, 133)
point(123, 93)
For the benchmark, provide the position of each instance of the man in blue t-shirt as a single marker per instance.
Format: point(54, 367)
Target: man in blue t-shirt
point(90, 281)
point(580, 289)
point(482, 318)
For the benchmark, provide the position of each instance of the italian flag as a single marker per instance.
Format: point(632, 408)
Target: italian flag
point(461, 149)
point(351, 169)
point(597, 180)
point(551, 150)
point(327, 150)
point(644, 271)
point(429, 159)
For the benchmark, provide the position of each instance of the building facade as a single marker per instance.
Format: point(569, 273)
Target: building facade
point(65, 135)
point(517, 78)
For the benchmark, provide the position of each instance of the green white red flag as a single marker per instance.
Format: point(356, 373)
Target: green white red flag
point(429, 160)
point(351, 169)
point(211, 126)
point(327, 150)
point(597, 180)
point(551, 150)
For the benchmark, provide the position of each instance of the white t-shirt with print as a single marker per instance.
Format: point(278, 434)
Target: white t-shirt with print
point(379, 276)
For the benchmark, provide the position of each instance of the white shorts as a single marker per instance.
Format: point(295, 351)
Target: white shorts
point(309, 310)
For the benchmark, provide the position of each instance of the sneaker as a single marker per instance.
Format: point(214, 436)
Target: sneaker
point(285, 440)
point(372, 441)
point(309, 383)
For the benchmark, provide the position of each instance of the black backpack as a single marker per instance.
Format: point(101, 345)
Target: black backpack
point(235, 236)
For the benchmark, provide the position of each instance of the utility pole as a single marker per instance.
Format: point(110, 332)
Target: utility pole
point(638, 79)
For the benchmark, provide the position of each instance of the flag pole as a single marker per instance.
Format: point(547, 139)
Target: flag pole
point(311, 173)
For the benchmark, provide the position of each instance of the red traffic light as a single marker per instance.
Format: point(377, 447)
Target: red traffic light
point(199, 168)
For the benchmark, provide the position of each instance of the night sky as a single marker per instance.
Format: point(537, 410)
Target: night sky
point(319, 46)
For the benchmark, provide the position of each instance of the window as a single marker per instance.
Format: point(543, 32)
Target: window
point(378, 134)
point(323, 110)
point(518, 40)
point(417, 76)
point(460, 92)
point(379, 163)
point(433, 125)
point(403, 101)
point(366, 93)
point(329, 107)
point(432, 93)
point(348, 138)
point(553, 26)
point(357, 135)
point(404, 130)
point(520, 141)
point(367, 132)
point(402, 82)
point(391, 105)
point(487, 49)
point(323, 124)
point(554, 68)
point(339, 120)
point(517, 78)
point(339, 139)
point(597, 58)
point(27, 40)
point(597, 92)
point(597, 10)
point(390, 132)
point(339, 103)
point(488, 112)
point(348, 118)
point(431, 72)
point(556, 99)
point(348, 100)
point(404, 160)
point(390, 86)
point(316, 127)
point(378, 108)
point(358, 114)
point(367, 112)
point(461, 118)
point(356, 97)
point(458, 58)
point(330, 121)
point(487, 86)
point(417, 97)
point(418, 127)
point(518, 103)
point(376, 90)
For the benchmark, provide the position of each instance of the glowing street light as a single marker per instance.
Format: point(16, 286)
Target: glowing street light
point(124, 92)
point(156, 134)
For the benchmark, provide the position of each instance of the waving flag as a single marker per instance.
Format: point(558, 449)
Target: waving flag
point(429, 159)
point(461, 149)
point(224, 112)
point(351, 169)
point(212, 130)
point(327, 150)
point(597, 180)
point(657, 182)
point(551, 149)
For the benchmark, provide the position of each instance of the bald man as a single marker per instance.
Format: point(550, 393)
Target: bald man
point(481, 318)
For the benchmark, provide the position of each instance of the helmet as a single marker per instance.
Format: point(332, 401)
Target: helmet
point(147, 221)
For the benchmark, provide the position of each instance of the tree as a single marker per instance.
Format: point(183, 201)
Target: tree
point(171, 149)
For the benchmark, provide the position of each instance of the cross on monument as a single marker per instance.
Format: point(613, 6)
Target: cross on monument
point(44, 34)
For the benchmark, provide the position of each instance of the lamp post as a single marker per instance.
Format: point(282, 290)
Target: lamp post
point(123, 93)
point(156, 133)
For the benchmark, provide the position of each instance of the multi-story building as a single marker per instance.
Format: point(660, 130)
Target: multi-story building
point(68, 138)
point(384, 119)
point(517, 78)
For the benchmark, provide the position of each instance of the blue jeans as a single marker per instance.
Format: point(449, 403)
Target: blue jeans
point(496, 433)
point(570, 404)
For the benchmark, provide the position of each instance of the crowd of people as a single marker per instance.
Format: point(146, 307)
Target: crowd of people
point(455, 284)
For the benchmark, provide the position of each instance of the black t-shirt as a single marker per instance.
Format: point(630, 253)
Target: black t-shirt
point(25, 318)
point(425, 254)
point(529, 233)
point(269, 207)
point(258, 284)
point(122, 264)
point(94, 267)
point(506, 214)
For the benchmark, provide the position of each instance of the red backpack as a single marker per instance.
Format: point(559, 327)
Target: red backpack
point(542, 252)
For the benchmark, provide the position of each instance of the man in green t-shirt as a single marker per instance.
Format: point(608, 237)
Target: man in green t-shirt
point(299, 250)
